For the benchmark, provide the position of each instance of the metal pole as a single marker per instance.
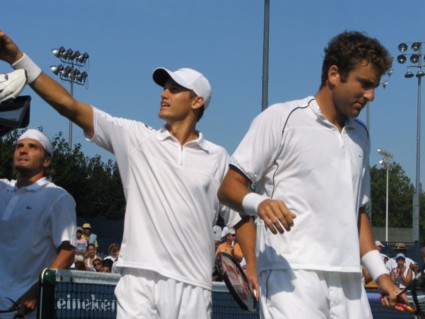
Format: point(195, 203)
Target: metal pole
point(386, 210)
point(416, 198)
point(264, 100)
point(368, 128)
point(70, 122)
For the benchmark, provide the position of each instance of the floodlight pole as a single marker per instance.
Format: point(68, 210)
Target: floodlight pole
point(265, 90)
point(418, 190)
point(71, 91)
point(70, 73)
point(416, 58)
point(387, 164)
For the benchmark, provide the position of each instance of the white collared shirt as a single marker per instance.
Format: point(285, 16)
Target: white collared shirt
point(293, 153)
point(171, 192)
point(34, 221)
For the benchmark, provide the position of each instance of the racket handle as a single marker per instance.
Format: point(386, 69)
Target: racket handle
point(402, 306)
point(405, 307)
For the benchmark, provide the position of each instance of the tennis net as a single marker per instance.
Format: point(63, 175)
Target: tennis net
point(71, 294)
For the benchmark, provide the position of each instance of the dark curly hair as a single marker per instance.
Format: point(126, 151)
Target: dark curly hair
point(348, 49)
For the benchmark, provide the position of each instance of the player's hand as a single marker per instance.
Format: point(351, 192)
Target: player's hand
point(28, 301)
point(251, 273)
point(9, 51)
point(277, 217)
point(392, 296)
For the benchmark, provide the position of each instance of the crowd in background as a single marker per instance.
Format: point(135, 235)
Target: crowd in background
point(86, 252)
point(401, 267)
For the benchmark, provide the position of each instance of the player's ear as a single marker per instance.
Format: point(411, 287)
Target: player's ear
point(198, 101)
point(333, 75)
point(47, 161)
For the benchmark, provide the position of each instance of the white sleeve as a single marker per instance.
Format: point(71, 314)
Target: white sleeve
point(261, 144)
point(63, 220)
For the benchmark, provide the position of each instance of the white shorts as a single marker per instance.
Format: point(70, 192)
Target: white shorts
point(312, 294)
point(146, 294)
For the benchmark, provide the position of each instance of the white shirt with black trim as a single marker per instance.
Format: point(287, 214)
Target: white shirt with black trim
point(293, 153)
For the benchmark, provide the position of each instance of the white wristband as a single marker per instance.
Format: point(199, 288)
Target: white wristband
point(374, 264)
point(250, 203)
point(32, 69)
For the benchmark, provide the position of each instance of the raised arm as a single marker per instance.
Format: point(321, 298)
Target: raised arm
point(48, 89)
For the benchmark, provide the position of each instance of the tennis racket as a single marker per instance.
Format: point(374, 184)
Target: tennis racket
point(11, 307)
point(417, 289)
point(236, 281)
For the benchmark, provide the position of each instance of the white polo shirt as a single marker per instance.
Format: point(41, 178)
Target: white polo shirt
point(293, 153)
point(34, 221)
point(171, 193)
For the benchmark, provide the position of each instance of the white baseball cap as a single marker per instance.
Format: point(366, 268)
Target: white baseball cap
point(187, 78)
point(217, 232)
point(40, 137)
point(378, 243)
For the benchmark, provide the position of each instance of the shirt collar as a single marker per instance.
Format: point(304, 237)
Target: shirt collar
point(349, 122)
point(34, 187)
point(200, 142)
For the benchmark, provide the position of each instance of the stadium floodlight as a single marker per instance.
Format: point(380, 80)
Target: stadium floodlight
point(70, 73)
point(417, 60)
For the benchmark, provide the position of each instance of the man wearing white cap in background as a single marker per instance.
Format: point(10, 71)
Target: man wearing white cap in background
point(379, 247)
point(37, 224)
point(170, 178)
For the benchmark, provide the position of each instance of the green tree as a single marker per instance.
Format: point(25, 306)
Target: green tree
point(400, 194)
point(7, 146)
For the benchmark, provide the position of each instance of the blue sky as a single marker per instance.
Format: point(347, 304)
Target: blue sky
point(128, 39)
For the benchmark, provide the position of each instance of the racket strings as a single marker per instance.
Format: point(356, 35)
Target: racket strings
point(236, 281)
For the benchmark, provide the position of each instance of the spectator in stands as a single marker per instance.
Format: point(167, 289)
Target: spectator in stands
point(231, 246)
point(401, 275)
point(91, 256)
point(217, 235)
point(391, 264)
point(37, 223)
point(81, 248)
point(79, 265)
point(379, 247)
point(107, 265)
point(89, 236)
point(97, 264)
point(114, 251)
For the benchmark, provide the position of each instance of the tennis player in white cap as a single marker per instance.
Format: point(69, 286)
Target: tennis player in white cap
point(170, 178)
point(37, 224)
